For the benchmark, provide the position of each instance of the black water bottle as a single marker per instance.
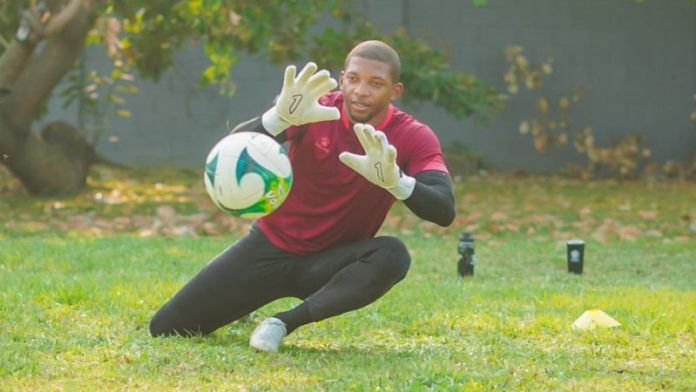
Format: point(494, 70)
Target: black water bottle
point(466, 254)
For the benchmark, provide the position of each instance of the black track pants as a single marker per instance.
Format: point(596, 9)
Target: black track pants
point(253, 272)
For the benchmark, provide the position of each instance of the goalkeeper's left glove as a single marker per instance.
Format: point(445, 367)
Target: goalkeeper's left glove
point(378, 165)
point(297, 103)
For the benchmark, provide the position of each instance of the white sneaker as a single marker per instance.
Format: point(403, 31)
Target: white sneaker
point(267, 336)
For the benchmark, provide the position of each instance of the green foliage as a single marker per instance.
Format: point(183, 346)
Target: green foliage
point(279, 29)
point(155, 29)
point(425, 71)
point(431, 80)
point(146, 34)
point(222, 59)
point(98, 96)
point(9, 13)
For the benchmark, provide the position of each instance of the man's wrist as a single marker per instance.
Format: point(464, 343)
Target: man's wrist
point(404, 188)
point(273, 123)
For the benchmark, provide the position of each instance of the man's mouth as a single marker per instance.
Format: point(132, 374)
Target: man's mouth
point(359, 106)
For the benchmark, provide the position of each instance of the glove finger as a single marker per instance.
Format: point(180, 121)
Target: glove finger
point(324, 87)
point(368, 139)
point(306, 73)
point(289, 78)
point(371, 137)
point(318, 78)
point(381, 141)
point(362, 137)
point(351, 160)
point(324, 113)
point(390, 157)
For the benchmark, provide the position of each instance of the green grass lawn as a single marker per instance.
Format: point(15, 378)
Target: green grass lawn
point(80, 278)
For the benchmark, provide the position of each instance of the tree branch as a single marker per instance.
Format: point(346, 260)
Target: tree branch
point(55, 59)
point(58, 22)
point(4, 42)
point(36, 25)
point(12, 62)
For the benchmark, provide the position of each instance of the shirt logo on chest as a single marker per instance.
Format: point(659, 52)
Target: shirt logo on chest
point(323, 143)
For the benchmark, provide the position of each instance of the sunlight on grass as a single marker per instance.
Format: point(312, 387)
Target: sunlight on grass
point(76, 301)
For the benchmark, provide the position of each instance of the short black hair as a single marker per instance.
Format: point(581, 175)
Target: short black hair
point(378, 51)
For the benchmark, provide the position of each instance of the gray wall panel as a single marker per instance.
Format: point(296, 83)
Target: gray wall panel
point(636, 61)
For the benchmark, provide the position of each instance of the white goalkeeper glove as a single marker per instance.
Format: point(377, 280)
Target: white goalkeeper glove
point(297, 103)
point(379, 164)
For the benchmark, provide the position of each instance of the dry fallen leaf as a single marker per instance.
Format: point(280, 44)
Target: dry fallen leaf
point(585, 212)
point(654, 233)
point(499, 216)
point(628, 232)
point(647, 214)
point(625, 207)
point(166, 212)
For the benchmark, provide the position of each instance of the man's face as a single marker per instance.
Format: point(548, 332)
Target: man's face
point(368, 89)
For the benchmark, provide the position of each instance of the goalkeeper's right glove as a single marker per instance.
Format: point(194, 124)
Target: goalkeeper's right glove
point(378, 165)
point(297, 103)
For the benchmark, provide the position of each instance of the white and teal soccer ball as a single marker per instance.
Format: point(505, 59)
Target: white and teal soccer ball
point(248, 174)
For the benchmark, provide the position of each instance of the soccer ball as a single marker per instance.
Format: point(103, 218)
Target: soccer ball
point(248, 174)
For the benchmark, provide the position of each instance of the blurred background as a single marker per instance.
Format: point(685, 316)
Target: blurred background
point(595, 88)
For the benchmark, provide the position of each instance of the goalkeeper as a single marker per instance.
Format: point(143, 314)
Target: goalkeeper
point(353, 155)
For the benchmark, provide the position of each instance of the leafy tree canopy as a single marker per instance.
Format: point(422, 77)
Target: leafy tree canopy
point(146, 34)
point(41, 41)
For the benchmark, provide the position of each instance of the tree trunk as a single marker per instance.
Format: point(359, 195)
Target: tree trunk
point(57, 161)
point(45, 165)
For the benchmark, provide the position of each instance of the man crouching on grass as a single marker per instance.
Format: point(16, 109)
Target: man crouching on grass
point(353, 155)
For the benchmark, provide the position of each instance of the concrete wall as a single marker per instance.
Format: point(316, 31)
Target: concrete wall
point(637, 63)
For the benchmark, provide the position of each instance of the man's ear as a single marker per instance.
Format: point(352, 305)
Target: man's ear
point(340, 79)
point(397, 89)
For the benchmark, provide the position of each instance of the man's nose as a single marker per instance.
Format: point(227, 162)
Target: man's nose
point(361, 88)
